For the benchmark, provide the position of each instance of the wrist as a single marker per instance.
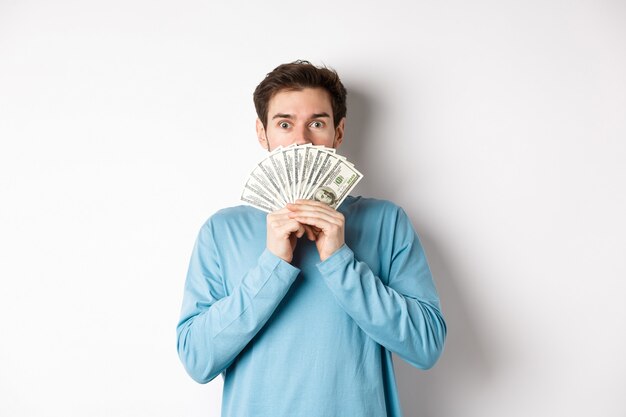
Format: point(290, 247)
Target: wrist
point(338, 259)
point(327, 254)
point(287, 257)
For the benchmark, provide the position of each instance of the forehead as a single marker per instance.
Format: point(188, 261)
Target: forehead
point(306, 100)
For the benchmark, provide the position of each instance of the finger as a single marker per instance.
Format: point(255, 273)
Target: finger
point(309, 203)
point(309, 215)
point(278, 213)
point(312, 203)
point(321, 224)
point(279, 217)
point(286, 227)
point(309, 207)
point(311, 233)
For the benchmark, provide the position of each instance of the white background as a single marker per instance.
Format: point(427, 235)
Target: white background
point(498, 125)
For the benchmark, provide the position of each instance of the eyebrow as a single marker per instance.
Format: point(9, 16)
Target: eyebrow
point(290, 116)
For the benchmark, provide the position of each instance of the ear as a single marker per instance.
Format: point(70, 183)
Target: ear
point(261, 136)
point(339, 133)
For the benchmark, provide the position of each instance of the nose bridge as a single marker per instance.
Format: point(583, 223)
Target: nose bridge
point(302, 134)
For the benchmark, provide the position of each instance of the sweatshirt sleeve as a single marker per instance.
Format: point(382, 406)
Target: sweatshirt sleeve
point(403, 314)
point(214, 326)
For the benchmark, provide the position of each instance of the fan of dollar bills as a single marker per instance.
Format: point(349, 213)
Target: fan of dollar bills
point(300, 172)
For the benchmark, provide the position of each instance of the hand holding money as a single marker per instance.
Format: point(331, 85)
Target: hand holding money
point(301, 186)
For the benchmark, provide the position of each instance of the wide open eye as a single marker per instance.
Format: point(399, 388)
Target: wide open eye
point(284, 125)
point(317, 124)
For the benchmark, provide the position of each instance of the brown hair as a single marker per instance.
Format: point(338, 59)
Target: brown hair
point(296, 76)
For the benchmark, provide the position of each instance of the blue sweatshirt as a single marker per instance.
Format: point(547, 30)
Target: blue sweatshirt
point(310, 338)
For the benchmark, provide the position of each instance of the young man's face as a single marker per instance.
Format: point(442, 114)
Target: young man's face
point(300, 116)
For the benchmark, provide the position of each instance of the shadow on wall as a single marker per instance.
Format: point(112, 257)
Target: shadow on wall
point(358, 127)
point(367, 146)
point(465, 361)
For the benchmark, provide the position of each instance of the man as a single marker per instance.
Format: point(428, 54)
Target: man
point(301, 309)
